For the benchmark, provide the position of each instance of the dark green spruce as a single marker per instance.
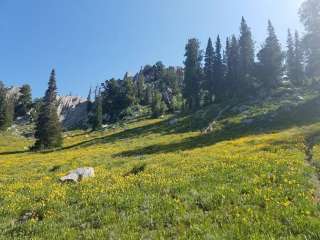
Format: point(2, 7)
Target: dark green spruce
point(246, 58)
point(24, 102)
point(6, 108)
point(193, 74)
point(270, 60)
point(233, 87)
point(218, 71)
point(209, 83)
point(48, 129)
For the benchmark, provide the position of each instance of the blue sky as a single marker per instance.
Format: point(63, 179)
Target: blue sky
point(88, 41)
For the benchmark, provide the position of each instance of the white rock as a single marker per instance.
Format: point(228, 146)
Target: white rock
point(78, 175)
point(300, 98)
point(85, 172)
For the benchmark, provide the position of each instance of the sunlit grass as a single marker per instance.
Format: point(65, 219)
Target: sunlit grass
point(252, 187)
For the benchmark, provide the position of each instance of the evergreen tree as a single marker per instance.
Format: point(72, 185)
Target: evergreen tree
point(246, 56)
point(294, 59)
point(172, 80)
point(3, 123)
point(176, 103)
point(48, 130)
point(193, 74)
point(158, 106)
point(35, 109)
point(9, 111)
point(299, 59)
point(112, 97)
point(117, 96)
point(140, 87)
point(129, 92)
point(158, 70)
point(290, 60)
point(218, 70)
point(90, 106)
point(24, 102)
point(6, 108)
point(97, 118)
point(226, 61)
point(270, 60)
point(310, 17)
point(209, 83)
point(148, 95)
point(233, 59)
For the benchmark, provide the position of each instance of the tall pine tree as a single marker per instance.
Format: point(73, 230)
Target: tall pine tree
point(218, 72)
point(193, 74)
point(10, 105)
point(48, 130)
point(24, 103)
point(299, 59)
point(294, 59)
point(232, 77)
point(140, 87)
point(290, 58)
point(148, 95)
point(310, 17)
point(6, 108)
point(209, 83)
point(158, 106)
point(129, 91)
point(246, 57)
point(3, 123)
point(270, 60)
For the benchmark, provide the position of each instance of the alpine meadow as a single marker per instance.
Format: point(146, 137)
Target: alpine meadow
point(224, 146)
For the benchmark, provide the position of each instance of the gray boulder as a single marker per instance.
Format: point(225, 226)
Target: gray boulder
point(78, 175)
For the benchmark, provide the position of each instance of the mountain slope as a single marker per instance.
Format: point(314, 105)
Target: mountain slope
point(245, 180)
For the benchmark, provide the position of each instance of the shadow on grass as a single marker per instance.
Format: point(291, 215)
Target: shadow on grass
point(14, 152)
point(303, 114)
point(186, 123)
point(159, 127)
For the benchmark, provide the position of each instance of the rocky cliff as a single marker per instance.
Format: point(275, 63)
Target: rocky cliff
point(13, 93)
point(72, 111)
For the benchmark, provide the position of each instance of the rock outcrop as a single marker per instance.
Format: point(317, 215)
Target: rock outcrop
point(72, 111)
point(13, 93)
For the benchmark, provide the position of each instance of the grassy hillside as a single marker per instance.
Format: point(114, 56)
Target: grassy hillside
point(245, 180)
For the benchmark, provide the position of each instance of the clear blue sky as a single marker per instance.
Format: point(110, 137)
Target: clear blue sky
point(88, 41)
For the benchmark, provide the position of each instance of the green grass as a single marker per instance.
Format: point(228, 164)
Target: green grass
point(156, 181)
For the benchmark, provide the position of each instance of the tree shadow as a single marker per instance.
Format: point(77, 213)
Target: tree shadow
point(301, 115)
point(282, 118)
point(185, 123)
point(159, 127)
point(14, 152)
